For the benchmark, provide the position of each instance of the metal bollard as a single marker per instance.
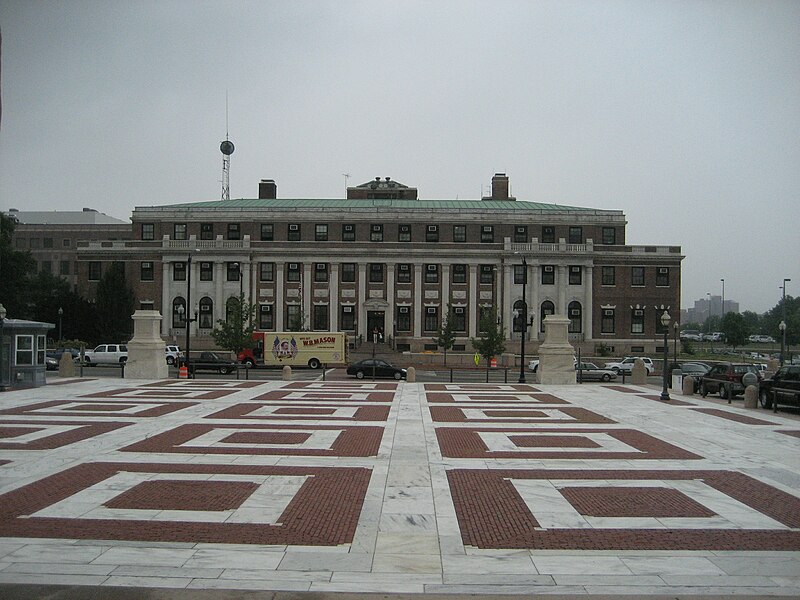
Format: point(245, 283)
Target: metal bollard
point(122, 368)
point(324, 368)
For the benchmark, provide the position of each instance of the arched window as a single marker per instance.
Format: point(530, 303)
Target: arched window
point(206, 313)
point(520, 315)
point(231, 308)
point(548, 308)
point(575, 312)
point(179, 312)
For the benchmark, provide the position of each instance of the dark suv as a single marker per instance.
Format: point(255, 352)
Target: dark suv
point(727, 377)
point(782, 388)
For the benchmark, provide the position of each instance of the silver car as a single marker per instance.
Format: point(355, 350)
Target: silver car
point(591, 372)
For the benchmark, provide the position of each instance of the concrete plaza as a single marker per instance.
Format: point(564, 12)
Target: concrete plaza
point(394, 488)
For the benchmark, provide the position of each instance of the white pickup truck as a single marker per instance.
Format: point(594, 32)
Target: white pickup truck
point(626, 365)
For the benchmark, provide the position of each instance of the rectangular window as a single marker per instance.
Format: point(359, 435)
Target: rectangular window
point(348, 232)
point(487, 274)
point(206, 271)
point(609, 276)
point(575, 275)
point(404, 273)
point(47, 243)
point(403, 318)
point(637, 276)
point(487, 234)
point(206, 231)
point(459, 233)
point(94, 270)
point(321, 232)
point(146, 272)
point(662, 277)
point(637, 321)
point(607, 321)
point(548, 234)
point(179, 231)
point(404, 233)
point(576, 235)
point(484, 313)
point(431, 318)
point(66, 243)
point(520, 275)
point(41, 348)
point(64, 268)
point(179, 271)
point(347, 322)
point(432, 233)
point(609, 236)
point(233, 271)
point(459, 273)
point(206, 316)
point(267, 232)
point(376, 233)
point(321, 272)
point(520, 234)
point(321, 317)
point(293, 272)
point(458, 318)
point(431, 273)
point(548, 275)
point(24, 349)
point(266, 271)
point(47, 266)
point(293, 319)
point(266, 316)
point(148, 231)
point(293, 235)
point(348, 272)
point(376, 273)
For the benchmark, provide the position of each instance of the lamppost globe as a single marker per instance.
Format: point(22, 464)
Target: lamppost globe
point(665, 321)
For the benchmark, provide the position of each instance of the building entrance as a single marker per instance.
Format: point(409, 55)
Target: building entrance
point(375, 325)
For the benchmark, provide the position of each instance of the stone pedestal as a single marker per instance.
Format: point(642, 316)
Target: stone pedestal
point(688, 386)
point(66, 366)
point(411, 375)
point(639, 372)
point(556, 354)
point(751, 396)
point(286, 373)
point(146, 358)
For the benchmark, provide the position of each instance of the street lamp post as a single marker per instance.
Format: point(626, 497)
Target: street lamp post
point(675, 328)
point(2, 346)
point(723, 298)
point(60, 315)
point(665, 319)
point(523, 316)
point(783, 322)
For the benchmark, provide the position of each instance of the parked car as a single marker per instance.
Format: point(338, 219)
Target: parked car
point(591, 372)
point(726, 377)
point(57, 352)
point(696, 370)
point(715, 336)
point(376, 367)
point(50, 363)
point(173, 354)
point(761, 339)
point(626, 365)
point(106, 354)
point(782, 388)
point(210, 361)
point(691, 334)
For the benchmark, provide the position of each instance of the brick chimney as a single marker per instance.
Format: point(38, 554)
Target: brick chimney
point(500, 186)
point(267, 189)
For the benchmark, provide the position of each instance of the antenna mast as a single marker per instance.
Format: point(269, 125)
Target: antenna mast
point(346, 177)
point(226, 147)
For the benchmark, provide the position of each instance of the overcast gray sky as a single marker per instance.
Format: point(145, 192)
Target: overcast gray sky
point(685, 115)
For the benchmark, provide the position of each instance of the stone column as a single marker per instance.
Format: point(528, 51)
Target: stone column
point(472, 305)
point(391, 300)
point(306, 299)
point(219, 294)
point(333, 298)
point(280, 301)
point(166, 298)
point(556, 354)
point(561, 286)
point(505, 298)
point(418, 306)
point(362, 298)
point(588, 312)
point(146, 359)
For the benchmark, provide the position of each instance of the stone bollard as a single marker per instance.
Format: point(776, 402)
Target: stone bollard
point(411, 375)
point(66, 366)
point(287, 373)
point(688, 386)
point(639, 372)
point(751, 396)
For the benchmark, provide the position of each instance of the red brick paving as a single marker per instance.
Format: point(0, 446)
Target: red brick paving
point(266, 437)
point(623, 389)
point(466, 443)
point(792, 433)
point(295, 412)
point(12, 432)
point(733, 416)
point(350, 385)
point(194, 394)
point(492, 514)
point(156, 408)
point(184, 495)
point(205, 383)
point(553, 441)
point(455, 414)
point(325, 510)
point(633, 502)
point(448, 397)
point(469, 387)
point(353, 441)
point(673, 401)
point(314, 396)
point(82, 432)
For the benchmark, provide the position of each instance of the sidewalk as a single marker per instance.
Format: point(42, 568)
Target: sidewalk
point(393, 488)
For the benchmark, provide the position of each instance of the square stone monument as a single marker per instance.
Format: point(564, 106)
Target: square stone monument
point(146, 358)
point(556, 354)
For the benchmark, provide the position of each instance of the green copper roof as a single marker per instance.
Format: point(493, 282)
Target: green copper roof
point(340, 204)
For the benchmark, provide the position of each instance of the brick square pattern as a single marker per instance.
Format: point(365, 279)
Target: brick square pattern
point(349, 385)
point(672, 400)
point(467, 443)
point(480, 414)
point(553, 441)
point(492, 514)
point(361, 396)
point(791, 433)
point(471, 387)
point(275, 438)
point(47, 435)
point(731, 416)
point(527, 398)
point(184, 495)
point(349, 441)
point(64, 408)
point(633, 502)
point(324, 511)
point(205, 383)
point(187, 393)
point(295, 411)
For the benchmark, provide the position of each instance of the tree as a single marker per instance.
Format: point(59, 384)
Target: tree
point(114, 303)
point(752, 322)
point(771, 320)
point(445, 335)
point(15, 270)
point(492, 340)
point(236, 332)
point(734, 328)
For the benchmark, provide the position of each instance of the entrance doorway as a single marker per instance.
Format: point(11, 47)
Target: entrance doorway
point(375, 325)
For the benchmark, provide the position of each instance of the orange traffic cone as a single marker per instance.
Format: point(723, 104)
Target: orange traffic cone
point(183, 372)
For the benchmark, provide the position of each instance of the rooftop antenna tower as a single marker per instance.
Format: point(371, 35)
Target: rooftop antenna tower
point(346, 177)
point(226, 147)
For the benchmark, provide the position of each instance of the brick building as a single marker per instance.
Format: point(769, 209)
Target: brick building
point(384, 259)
